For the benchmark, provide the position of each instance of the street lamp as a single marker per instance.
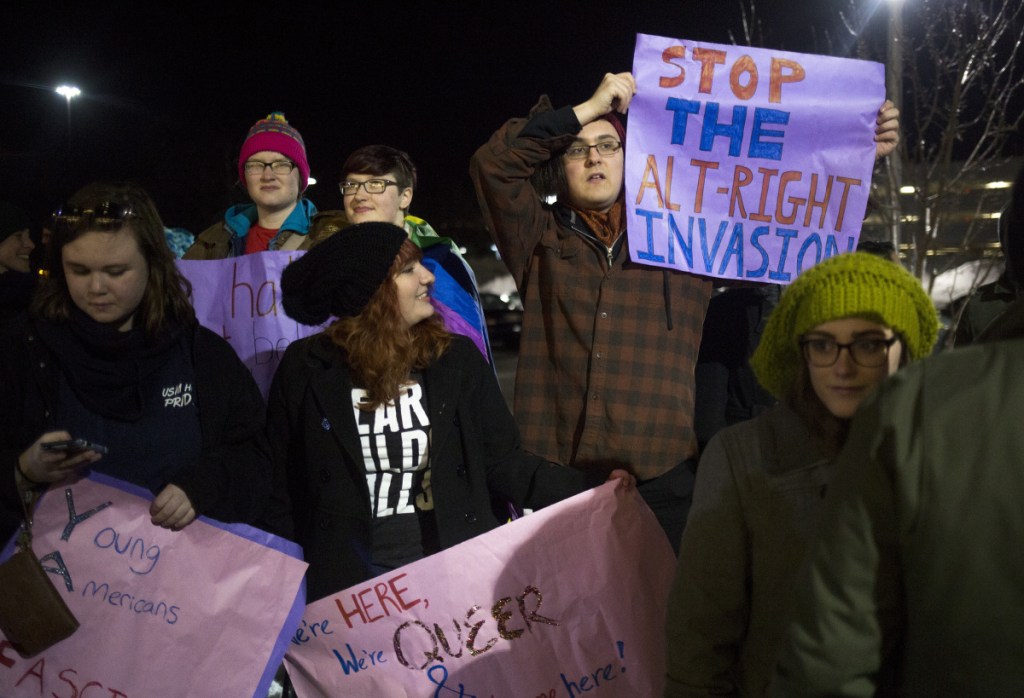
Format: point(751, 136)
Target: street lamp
point(894, 88)
point(68, 92)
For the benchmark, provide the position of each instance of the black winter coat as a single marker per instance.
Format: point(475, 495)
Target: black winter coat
point(230, 481)
point(475, 456)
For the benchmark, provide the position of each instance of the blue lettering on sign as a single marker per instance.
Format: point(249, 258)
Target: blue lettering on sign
point(133, 547)
point(438, 675)
point(709, 255)
point(647, 255)
point(315, 628)
point(681, 108)
point(711, 129)
point(759, 149)
point(354, 664)
point(812, 239)
point(735, 249)
point(786, 234)
point(755, 242)
point(685, 246)
point(165, 611)
point(725, 249)
point(597, 678)
point(589, 682)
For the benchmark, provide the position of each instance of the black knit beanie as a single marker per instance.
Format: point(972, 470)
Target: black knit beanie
point(12, 220)
point(340, 275)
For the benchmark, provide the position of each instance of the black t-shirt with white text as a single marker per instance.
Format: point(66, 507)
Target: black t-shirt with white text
point(396, 452)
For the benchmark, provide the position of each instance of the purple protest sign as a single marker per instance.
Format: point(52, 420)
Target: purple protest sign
point(747, 163)
point(240, 299)
point(204, 611)
point(562, 602)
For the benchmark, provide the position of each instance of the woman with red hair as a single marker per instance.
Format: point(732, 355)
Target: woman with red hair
point(389, 435)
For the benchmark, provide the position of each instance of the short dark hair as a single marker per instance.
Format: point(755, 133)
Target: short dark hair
point(381, 160)
point(166, 298)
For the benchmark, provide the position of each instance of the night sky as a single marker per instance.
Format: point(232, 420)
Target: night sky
point(169, 92)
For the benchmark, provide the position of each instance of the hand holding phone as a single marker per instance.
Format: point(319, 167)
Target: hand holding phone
point(72, 446)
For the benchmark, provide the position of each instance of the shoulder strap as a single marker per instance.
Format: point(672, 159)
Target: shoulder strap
point(28, 506)
point(292, 242)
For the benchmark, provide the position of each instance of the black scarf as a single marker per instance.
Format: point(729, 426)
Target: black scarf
point(104, 367)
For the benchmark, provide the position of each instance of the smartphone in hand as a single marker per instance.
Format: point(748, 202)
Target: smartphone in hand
point(72, 446)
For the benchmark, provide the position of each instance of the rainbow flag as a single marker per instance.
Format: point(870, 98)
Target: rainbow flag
point(455, 293)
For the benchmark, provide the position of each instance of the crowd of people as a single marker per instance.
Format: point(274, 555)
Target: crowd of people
point(842, 526)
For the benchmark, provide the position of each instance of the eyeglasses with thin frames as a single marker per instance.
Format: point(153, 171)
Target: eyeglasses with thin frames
point(578, 151)
point(868, 352)
point(278, 167)
point(371, 186)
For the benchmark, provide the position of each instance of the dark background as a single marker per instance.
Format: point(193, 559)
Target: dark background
point(170, 90)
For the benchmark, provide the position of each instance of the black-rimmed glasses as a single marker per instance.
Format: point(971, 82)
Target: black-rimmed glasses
point(869, 352)
point(278, 167)
point(579, 151)
point(372, 186)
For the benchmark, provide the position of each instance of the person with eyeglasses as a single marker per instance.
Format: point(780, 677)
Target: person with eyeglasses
point(111, 352)
point(377, 185)
point(913, 584)
point(608, 348)
point(839, 330)
point(274, 170)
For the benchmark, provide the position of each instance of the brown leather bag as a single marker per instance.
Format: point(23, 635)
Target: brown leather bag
point(33, 615)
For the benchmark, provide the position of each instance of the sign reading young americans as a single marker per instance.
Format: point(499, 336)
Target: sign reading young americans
point(204, 611)
point(747, 163)
point(562, 602)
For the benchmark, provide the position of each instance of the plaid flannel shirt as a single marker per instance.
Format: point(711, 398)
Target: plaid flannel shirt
point(608, 347)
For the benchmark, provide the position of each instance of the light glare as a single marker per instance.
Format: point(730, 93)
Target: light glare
point(68, 91)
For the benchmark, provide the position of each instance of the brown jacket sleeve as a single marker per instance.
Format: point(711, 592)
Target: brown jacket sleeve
point(501, 171)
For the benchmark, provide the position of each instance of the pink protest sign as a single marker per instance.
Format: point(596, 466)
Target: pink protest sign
point(240, 299)
point(747, 163)
point(567, 601)
point(205, 611)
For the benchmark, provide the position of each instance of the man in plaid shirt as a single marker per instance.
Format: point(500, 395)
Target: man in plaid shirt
point(605, 376)
point(608, 348)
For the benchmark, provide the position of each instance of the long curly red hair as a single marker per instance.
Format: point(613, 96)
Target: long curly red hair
point(381, 352)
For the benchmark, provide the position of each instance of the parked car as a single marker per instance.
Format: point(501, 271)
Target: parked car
point(504, 315)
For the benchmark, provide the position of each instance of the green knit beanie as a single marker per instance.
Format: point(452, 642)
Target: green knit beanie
point(854, 284)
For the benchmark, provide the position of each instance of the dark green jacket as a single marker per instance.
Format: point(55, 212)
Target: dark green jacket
point(916, 582)
point(755, 508)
